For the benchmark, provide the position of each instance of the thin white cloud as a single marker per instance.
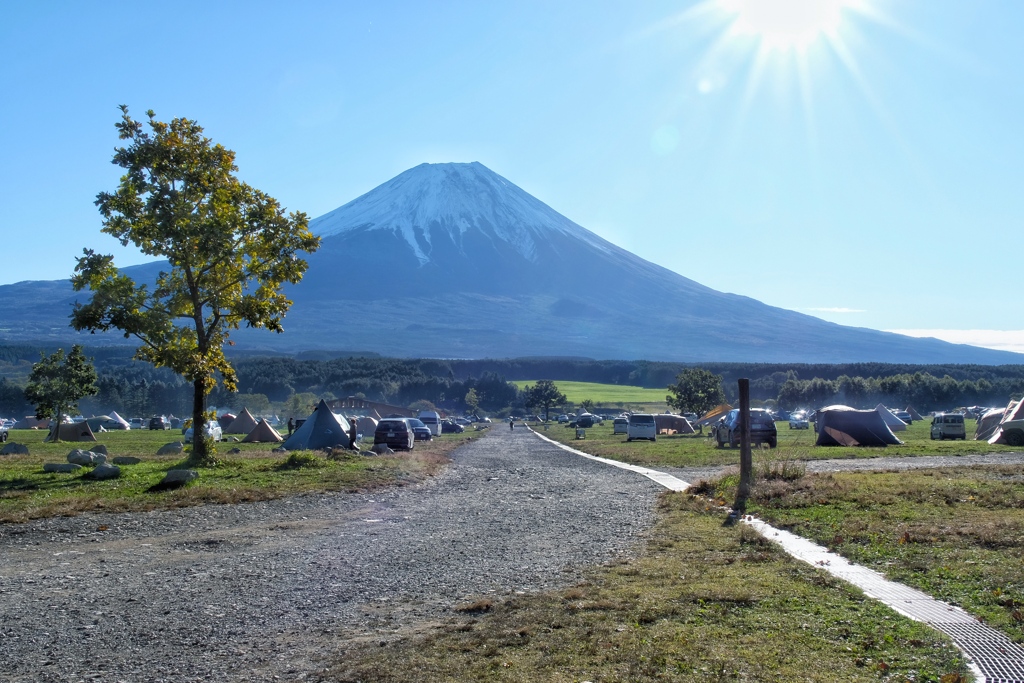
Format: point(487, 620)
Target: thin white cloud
point(1000, 340)
point(836, 309)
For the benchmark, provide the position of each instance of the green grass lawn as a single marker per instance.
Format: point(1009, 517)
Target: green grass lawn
point(956, 533)
point(607, 395)
point(694, 450)
point(254, 473)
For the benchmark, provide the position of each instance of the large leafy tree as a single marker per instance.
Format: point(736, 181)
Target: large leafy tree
point(58, 382)
point(696, 391)
point(229, 248)
point(543, 394)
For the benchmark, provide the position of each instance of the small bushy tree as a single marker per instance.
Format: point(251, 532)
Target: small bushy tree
point(229, 249)
point(696, 391)
point(58, 383)
point(544, 394)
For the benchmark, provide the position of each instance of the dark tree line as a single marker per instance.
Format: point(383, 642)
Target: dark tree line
point(138, 389)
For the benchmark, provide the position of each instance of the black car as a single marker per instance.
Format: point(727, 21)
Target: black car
point(395, 432)
point(451, 427)
point(762, 429)
point(159, 423)
point(420, 430)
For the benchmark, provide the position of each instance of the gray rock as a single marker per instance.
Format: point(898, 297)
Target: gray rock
point(87, 458)
point(382, 449)
point(179, 478)
point(13, 448)
point(235, 450)
point(99, 448)
point(105, 471)
point(126, 460)
point(171, 448)
point(61, 467)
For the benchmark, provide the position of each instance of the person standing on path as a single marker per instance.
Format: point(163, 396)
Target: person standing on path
point(291, 426)
point(511, 425)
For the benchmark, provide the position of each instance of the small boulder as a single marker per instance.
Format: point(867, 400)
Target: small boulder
point(279, 449)
point(382, 449)
point(235, 450)
point(174, 448)
point(13, 448)
point(126, 460)
point(86, 458)
point(99, 448)
point(105, 471)
point(175, 479)
point(61, 467)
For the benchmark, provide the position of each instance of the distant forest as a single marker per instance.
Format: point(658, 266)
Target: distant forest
point(134, 388)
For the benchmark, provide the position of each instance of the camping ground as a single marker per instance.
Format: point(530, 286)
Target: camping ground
point(254, 473)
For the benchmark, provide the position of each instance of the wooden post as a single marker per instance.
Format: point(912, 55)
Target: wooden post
point(746, 462)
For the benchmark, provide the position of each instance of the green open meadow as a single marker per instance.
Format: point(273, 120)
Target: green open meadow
point(608, 395)
point(253, 473)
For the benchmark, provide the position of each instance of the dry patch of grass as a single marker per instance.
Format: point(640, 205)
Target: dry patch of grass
point(955, 533)
point(703, 603)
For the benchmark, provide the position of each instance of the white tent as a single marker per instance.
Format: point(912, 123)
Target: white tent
point(895, 424)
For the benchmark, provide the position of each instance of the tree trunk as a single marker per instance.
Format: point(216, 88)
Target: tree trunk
point(199, 452)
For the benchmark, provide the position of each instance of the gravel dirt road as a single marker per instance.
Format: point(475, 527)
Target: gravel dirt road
point(268, 591)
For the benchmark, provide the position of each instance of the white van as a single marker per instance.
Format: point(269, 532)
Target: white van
point(641, 426)
point(432, 420)
point(948, 426)
point(620, 425)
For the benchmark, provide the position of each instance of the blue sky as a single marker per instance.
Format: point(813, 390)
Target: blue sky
point(866, 170)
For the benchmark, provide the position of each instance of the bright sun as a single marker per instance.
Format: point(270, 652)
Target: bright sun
point(785, 24)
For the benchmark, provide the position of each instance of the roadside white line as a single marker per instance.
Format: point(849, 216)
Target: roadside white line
point(972, 637)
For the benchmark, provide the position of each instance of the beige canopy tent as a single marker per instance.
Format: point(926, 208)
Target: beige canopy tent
point(666, 422)
point(263, 433)
point(914, 415)
point(713, 415)
point(243, 424)
point(75, 431)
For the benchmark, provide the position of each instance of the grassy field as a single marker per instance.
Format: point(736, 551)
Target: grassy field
point(254, 473)
point(956, 533)
point(694, 450)
point(703, 603)
point(607, 395)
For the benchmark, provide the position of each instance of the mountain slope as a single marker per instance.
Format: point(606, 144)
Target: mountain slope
point(452, 260)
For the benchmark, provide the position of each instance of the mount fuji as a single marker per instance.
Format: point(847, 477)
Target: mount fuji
point(454, 261)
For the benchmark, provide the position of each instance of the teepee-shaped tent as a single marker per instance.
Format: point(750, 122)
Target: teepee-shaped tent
point(895, 424)
point(243, 424)
point(322, 429)
point(75, 431)
point(914, 415)
point(263, 433)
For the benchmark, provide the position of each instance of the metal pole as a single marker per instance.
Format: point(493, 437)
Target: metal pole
point(746, 462)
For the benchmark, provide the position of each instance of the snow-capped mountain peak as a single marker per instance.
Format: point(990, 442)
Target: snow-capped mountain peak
point(434, 201)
